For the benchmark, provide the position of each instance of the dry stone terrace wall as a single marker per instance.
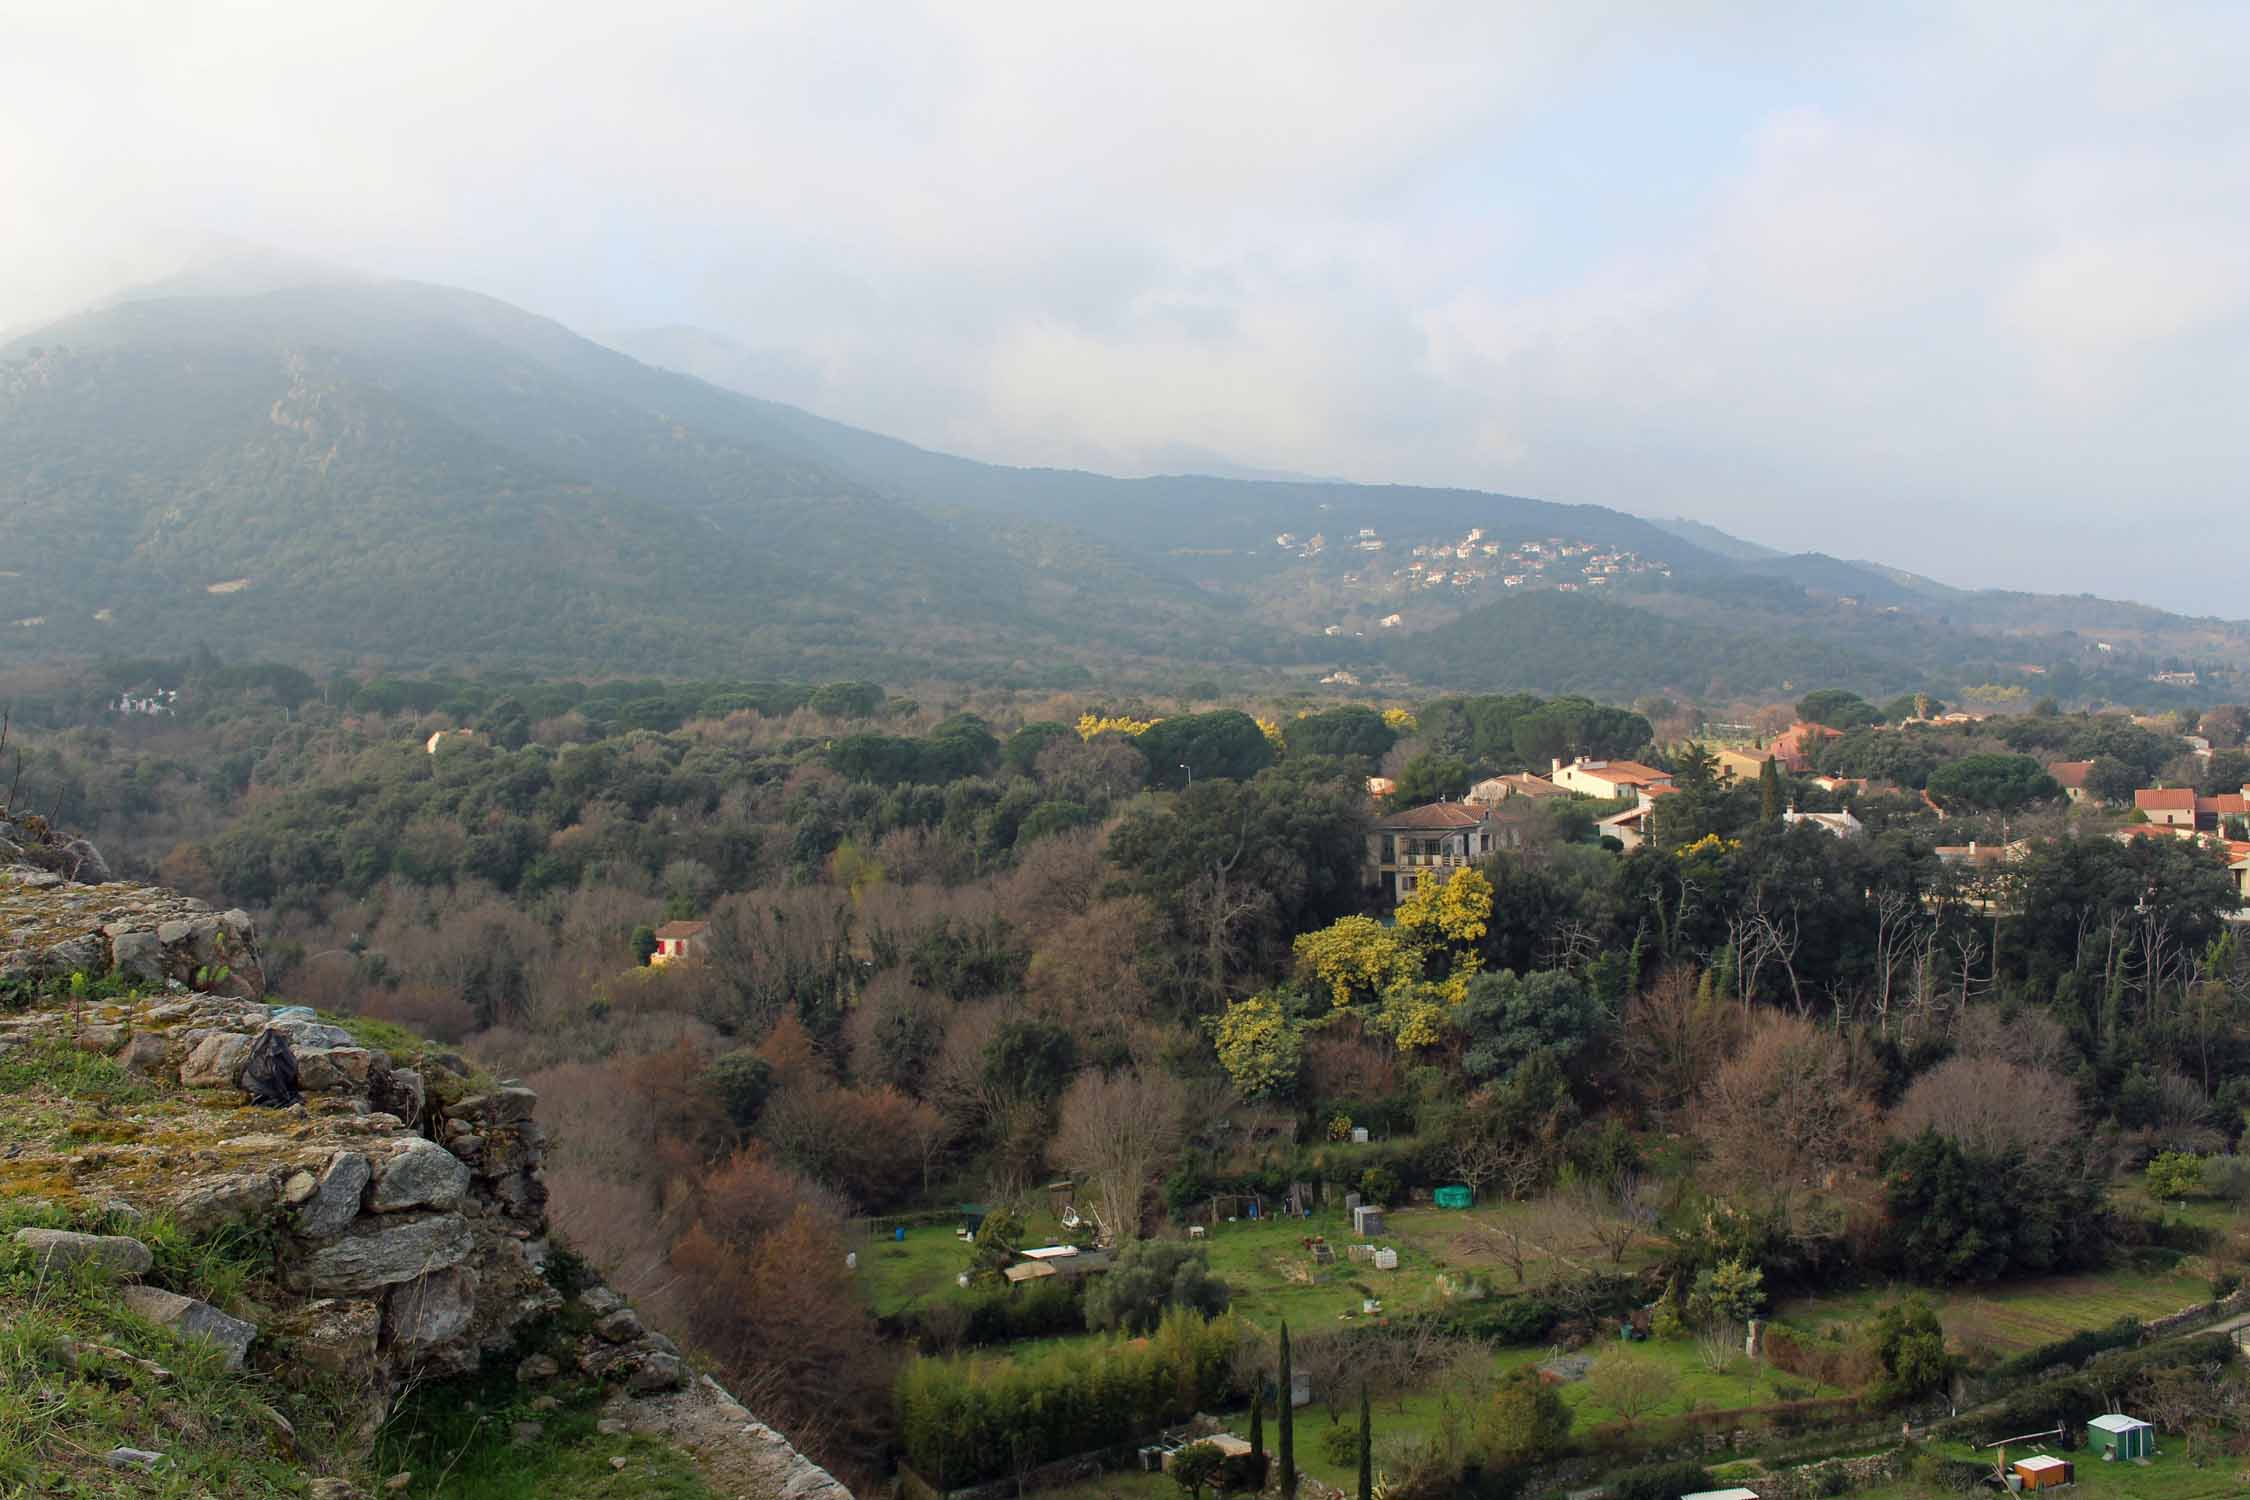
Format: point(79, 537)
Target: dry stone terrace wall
point(406, 1203)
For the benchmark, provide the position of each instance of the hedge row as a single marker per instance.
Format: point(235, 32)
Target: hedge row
point(2074, 1351)
point(963, 1421)
point(1045, 1310)
point(2120, 1375)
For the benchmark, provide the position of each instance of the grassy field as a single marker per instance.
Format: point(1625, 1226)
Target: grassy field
point(2024, 1314)
point(2171, 1475)
point(1266, 1262)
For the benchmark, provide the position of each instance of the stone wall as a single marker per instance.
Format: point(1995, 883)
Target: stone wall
point(1834, 1476)
point(2196, 1316)
point(406, 1203)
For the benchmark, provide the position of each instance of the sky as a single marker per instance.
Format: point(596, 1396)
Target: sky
point(1961, 288)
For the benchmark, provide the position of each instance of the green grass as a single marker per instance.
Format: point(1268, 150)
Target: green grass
point(455, 1439)
point(59, 1067)
point(2171, 1475)
point(1263, 1261)
point(214, 1426)
point(2014, 1316)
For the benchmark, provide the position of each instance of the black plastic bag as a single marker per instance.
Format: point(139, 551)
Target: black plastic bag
point(270, 1077)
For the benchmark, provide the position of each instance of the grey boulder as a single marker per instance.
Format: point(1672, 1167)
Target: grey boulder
point(190, 1319)
point(113, 1254)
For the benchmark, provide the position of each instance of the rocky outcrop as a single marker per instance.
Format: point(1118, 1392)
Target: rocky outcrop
point(61, 914)
point(407, 1204)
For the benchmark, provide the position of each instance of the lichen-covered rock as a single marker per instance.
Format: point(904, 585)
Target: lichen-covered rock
point(191, 1319)
point(401, 1092)
point(334, 1201)
point(217, 1061)
point(431, 1309)
point(419, 1174)
point(335, 1335)
point(337, 1070)
point(520, 1194)
point(380, 1253)
point(620, 1327)
point(104, 1040)
point(144, 1053)
point(239, 1200)
point(113, 1255)
point(137, 955)
point(657, 1372)
point(312, 1036)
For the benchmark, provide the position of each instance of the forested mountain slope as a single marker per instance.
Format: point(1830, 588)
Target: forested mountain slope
point(407, 471)
point(349, 470)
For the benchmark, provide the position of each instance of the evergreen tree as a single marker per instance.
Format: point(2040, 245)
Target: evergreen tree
point(1366, 1446)
point(1769, 790)
point(1258, 1424)
point(1288, 1451)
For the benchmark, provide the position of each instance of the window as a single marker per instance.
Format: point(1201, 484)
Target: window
point(1406, 885)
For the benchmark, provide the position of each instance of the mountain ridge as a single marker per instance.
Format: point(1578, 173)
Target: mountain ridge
point(419, 475)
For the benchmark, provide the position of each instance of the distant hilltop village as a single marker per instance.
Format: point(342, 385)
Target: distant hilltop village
point(1460, 571)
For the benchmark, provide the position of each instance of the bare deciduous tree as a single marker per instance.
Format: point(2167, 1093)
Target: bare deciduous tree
point(1116, 1129)
point(1718, 1344)
point(1613, 1217)
point(1990, 1106)
point(1630, 1385)
point(1785, 1110)
point(2029, 1038)
point(1674, 1037)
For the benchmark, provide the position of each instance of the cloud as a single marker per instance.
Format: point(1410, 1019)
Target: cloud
point(1950, 286)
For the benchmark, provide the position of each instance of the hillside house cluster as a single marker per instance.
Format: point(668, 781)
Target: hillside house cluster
point(1433, 841)
point(2182, 808)
point(1791, 749)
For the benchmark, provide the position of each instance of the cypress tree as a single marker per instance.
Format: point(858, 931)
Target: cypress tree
point(1366, 1446)
point(1288, 1450)
point(1769, 790)
point(1258, 1423)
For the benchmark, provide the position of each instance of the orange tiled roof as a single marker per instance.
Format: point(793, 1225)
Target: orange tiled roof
point(1432, 817)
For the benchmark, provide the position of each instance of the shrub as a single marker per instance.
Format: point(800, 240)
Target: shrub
point(1526, 1421)
point(2072, 1352)
point(963, 1421)
point(1339, 1444)
point(2175, 1174)
point(1151, 1276)
point(1195, 1466)
point(2120, 1376)
point(1911, 1346)
point(1661, 1482)
point(1379, 1185)
point(1243, 1474)
point(1511, 1320)
point(2227, 1177)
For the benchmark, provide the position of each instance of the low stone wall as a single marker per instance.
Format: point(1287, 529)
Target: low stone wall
point(1833, 1476)
point(2196, 1316)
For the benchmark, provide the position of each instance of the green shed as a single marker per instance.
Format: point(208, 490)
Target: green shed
point(2118, 1436)
point(1454, 1195)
